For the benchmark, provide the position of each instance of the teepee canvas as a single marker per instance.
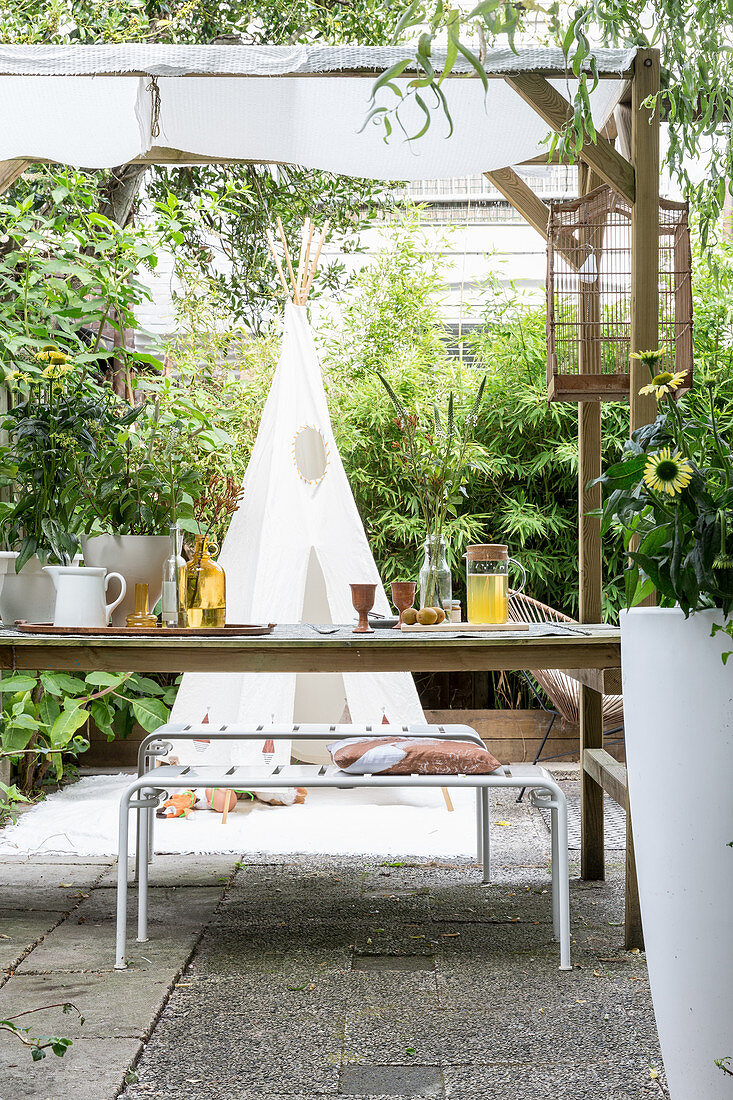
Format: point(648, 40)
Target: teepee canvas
point(291, 551)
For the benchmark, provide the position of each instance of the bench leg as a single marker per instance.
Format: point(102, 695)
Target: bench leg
point(485, 836)
point(121, 946)
point(142, 889)
point(563, 891)
point(555, 874)
point(479, 827)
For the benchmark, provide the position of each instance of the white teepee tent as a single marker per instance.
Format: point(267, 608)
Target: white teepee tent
point(291, 550)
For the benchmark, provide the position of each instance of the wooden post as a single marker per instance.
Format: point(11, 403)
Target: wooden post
point(590, 581)
point(644, 232)
point(590, 562)
point(644, 331)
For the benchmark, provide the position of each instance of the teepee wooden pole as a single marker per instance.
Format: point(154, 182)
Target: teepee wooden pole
point(303, 275)
point(448, 800)
point(314, 265)
point(291, 273)
point(303, 251)
point(278, 265)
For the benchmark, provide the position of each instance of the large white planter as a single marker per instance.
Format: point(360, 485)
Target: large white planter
point(29, 594)
point(678, 707)
point(139, 558)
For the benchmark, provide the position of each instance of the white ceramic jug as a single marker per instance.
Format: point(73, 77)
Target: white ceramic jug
point(81, 595)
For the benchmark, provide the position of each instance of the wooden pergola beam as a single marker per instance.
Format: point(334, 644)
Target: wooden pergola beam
point(10, 171)
point(556, 111)
point(521, 196)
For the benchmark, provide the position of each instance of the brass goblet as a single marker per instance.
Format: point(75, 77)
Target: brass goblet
point(362, 597)
point(403, 596)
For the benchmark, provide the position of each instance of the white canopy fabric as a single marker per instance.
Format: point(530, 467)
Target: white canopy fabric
point(290, 554)
point(269, 104)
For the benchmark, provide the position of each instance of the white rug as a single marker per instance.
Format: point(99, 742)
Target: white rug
point(83, 819)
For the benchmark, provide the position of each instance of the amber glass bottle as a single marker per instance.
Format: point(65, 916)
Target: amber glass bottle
point(205, 588)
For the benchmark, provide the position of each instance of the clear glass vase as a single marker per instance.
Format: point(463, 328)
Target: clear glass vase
point(436, 588)
point(205, 589)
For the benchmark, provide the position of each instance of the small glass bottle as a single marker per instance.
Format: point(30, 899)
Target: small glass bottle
point(205, 589)
point(174, 582)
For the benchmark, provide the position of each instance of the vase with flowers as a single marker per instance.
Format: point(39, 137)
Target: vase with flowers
point(438, 452)
point(671, 497)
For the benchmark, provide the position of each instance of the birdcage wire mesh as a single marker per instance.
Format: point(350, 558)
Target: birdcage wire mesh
point(589, 294)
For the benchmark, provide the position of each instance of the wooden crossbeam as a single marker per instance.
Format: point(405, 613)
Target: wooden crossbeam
point(522, 198)
point(555, 109)
point(10, 171)
point(607, 773)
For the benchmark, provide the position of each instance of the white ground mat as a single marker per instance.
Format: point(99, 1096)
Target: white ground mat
point(83, 819)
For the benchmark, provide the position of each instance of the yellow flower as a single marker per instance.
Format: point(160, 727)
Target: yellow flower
point(667, 473)
point(57, 357)
point(664, 383)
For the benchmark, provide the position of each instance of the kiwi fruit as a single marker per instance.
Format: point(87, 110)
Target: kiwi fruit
point(441, 615)
point(409, 616)
point(427, 616)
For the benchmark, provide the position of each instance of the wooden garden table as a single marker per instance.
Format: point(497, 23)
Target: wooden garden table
point(591, 653)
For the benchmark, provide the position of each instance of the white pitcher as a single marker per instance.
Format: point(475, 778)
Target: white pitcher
point(81, 595)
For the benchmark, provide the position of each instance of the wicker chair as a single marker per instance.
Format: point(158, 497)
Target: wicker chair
point(560, 689)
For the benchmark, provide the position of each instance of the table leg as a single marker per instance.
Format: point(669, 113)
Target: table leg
point(633, 931)
point(591, 793)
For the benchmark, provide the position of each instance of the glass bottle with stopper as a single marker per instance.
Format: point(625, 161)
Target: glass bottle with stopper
point(174, 582)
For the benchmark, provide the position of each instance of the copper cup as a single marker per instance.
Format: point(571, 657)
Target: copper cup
point(403, 596)
point(362, 597)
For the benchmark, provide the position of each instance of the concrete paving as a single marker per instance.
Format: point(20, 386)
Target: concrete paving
point(321, 977)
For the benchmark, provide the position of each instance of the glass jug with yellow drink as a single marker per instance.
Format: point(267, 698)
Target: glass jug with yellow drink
point(487, 582)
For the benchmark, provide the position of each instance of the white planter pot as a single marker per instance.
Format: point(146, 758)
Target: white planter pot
point(139, 558)
point(678, 706)
point(26, 595)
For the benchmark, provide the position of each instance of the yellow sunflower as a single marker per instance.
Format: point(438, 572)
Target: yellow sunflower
point(667, 473)
point(665, 382)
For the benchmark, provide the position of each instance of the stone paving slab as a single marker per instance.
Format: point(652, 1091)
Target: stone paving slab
point(49, 873)
point(49, 899)
point(177, 870)
point(303, 1056)
point(19, 930)
point(117, 1004)
point(614, 1079)
point(86, 939)
point(91, 1069)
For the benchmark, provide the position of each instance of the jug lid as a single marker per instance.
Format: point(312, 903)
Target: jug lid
point(487, 551)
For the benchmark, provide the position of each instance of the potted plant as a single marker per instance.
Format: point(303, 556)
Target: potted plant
point(58, 420)
point(671, 496)
point(132, 491)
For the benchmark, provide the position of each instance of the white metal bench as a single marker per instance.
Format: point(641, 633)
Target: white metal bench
point(144, 796)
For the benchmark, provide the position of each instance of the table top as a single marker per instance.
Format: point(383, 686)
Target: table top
point(313, 648)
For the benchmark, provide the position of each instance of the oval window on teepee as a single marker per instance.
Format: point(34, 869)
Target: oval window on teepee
point(310, 453)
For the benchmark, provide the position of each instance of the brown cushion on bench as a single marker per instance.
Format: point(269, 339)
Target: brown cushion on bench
point(393, 755)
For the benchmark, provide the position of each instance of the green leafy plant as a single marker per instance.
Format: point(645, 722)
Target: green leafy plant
point(39, 1044)
point(696, 96)
point(61, 422)
point(438, 452)
point(43, 716)
point(671, 496)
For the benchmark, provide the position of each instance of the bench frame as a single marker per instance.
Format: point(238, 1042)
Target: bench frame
point(144, 796)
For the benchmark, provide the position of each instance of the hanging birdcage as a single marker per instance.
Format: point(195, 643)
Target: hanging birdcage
point(589, 295)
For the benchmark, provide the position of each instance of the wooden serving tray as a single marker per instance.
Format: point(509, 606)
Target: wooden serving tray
point(463, 628)
point(231, 630)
